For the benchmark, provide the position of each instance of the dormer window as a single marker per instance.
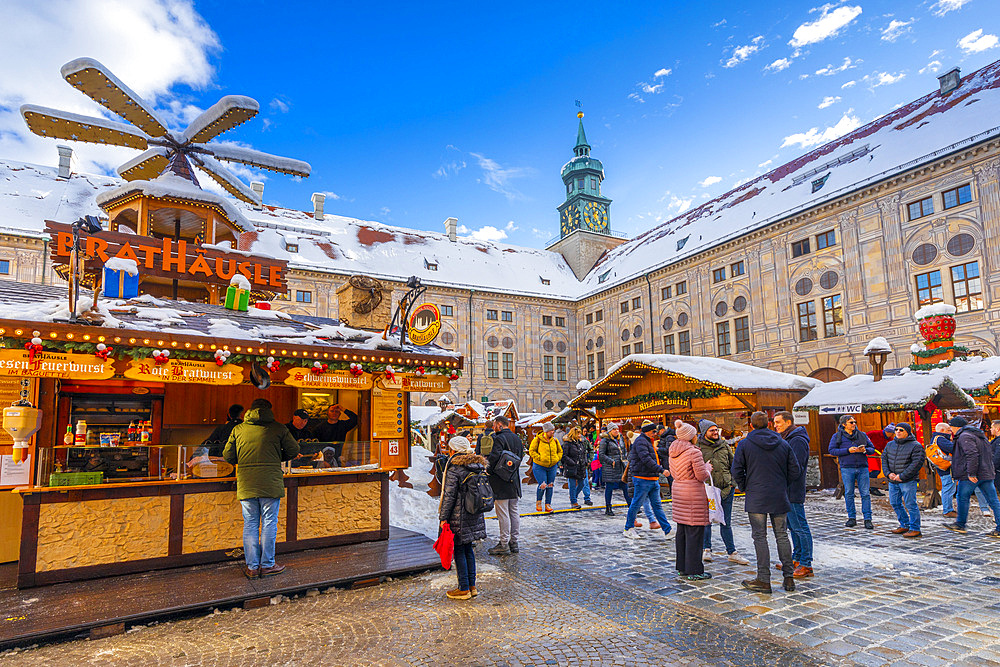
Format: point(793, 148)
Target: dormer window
point(429, 265)
point(682, 242)
point(545, 281)
point(604, 276)
point(820, 182)
point(292, 247)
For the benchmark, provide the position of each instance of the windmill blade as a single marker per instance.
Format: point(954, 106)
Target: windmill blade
point(96, 82)
point(146, 165)
point(284, 165)
point(229, 182)
point(65, 125)
point(224, 115)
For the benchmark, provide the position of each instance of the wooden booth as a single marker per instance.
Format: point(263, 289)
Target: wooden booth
point(98, 495)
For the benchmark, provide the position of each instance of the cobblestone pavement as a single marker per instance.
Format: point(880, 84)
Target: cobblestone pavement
point(876, 599)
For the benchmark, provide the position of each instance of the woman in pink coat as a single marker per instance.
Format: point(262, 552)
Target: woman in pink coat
point(690, 504)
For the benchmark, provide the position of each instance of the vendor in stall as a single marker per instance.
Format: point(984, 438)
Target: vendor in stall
point(334, 430)
point(216, 442)
point(299, 426)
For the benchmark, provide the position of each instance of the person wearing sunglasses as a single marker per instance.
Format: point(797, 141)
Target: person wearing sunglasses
point(902, 459)
point(852, 448)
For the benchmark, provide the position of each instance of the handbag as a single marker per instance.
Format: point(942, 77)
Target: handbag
point(595, 465)
point(445, 546)
point(507, 466)
point(715, 513)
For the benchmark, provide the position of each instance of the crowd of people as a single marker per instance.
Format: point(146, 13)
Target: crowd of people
point(703, 471)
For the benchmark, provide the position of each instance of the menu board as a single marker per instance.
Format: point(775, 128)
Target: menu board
point(387, 414)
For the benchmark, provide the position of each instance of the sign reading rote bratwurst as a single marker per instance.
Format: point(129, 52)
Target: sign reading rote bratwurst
point(305, 378)
point(60, 365)
point(184, 371)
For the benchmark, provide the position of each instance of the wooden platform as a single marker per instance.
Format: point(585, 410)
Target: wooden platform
point(106, 606)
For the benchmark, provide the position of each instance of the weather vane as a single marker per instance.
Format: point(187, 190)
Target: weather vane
point(579, 105)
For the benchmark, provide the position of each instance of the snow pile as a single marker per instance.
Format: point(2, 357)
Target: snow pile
point(910, 391)
point(129, 266)
point(240, 281)
point(413, 509)
point(877, 344)
point(730, 374)
point(934, 309)
point(583, 385)
point(918, 347)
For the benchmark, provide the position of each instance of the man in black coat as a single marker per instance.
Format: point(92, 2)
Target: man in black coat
point(995, 444)
point(802, 542)
point(972, 467)
point(216, 442)
point(763, 467)
point(505, 491)
point(902, 459)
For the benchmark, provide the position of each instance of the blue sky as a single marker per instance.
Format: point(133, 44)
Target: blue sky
point(412, 113)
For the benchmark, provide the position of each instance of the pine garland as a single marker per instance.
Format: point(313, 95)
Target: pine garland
point(957, 349)
point(679, 396)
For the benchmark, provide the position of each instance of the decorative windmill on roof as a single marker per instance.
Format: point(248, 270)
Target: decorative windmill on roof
point(163, 197)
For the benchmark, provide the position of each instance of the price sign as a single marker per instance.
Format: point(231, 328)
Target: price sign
point(387, 413)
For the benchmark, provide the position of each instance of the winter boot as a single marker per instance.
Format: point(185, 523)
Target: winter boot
point(757, 586)
point(500, 549)
point(513, 547)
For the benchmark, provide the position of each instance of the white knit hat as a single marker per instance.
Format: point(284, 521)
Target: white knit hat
point(460, 444)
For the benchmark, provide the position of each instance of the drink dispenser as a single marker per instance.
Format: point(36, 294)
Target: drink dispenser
point(21, 422)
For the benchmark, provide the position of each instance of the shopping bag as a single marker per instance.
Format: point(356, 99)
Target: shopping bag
point(715, 513)
point(595, 464)
point(445, 546)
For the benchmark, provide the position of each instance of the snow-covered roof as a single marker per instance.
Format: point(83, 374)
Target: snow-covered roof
point(731, 374)
point(420, 413)
point(934, 309)
point(902, 139)
point(908, 391)
point(975, 374)
point(535, 418)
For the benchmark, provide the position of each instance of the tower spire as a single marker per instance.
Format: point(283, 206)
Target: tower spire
point(582, 148)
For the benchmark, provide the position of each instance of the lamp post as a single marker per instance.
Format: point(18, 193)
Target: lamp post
point(877, 359)
point(89, 224)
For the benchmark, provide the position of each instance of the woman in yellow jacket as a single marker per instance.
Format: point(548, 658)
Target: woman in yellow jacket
point(545, 452)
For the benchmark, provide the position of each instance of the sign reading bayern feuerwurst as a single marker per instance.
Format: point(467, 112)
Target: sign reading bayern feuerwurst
point(167, 258)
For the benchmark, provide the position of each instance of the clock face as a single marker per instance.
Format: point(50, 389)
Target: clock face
point(595, 217)
point(569, 220)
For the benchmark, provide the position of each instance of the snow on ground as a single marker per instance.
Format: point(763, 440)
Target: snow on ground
point(413, 509)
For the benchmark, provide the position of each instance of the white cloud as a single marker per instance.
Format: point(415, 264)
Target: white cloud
point(498, 178)
point(849, 84)
point(511, 227)
point(830, 70)
point(279, 105)
point(711, 180)
point(484, 233)
point(976, 42)
point(540, 233)
point(151, 45)
point(385, 211)
point(636, 97)
point(814, 137)
point(678, 205)
point(779, 64)
point(828, 101)
point(719, 24)
point(662, 72)
point(765, 163)
point(933, 66)
point(827, 25)
point(741, 53)
point(877, 79)
point(942, 7)
point(650, 88)
point(331, 195)
point(453, 163)
point(896, 29)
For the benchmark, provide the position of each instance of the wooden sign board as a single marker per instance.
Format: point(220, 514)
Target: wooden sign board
point(60, 365)
point(388, 414)
point(166, 258)
point(184, 371)
point(306, 379)
point(407, 382)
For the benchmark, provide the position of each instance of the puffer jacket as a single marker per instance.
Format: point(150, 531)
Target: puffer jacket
point(545, 450)
point(467, 527)
point(643, 461)
point(257, 447)
point(718, 453)
point(903, 457)
point(690, 472)
point(973, 455)
point(574, 459)
point(611, 454)
point(841, 442)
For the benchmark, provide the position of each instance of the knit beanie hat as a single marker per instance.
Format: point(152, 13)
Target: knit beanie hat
point(548, 427)
point(890, 429)
point(704, 425)
point(460, 444)
point(957, 422)
point(685, 431)
point(906, 427)
point(647, 426)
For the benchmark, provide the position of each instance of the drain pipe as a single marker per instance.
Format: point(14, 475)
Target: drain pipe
point(652, 327)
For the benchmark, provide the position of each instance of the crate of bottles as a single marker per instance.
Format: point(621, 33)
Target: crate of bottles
point(75, 478)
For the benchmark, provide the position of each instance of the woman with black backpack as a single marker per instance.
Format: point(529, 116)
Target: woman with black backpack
point(460, 478)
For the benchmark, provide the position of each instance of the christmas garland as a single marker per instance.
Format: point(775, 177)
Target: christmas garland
point(679, 396)
point(929, 367)
point(957, 349)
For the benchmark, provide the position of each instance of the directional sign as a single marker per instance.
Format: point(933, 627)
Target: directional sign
point(840, 409)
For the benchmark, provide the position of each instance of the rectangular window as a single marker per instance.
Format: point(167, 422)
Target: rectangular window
point(447, 311)
point(303, 296)
point(561, 369)
point(624, 306)
point(492, 364)
point(546, 320)
point(560, 321)
point(800, 248)
point(737, 269)
point(967, 287)
point(682, 287)
point(668, 344)
point(491, 314)
point(665, 293)
point(508, 365)
point(826, 240)
point(929, 288)
point(919, 209)
point(807, 321)
point(637, 303)
point(292, 247)
point(593, 182)
point(579, 183)
point(600, 364)
point(833, 316)
point(722, 338)
point(742, 334)
point(957, 196)
point(430, 266)
point(637, 347)
point(590, 367)
point(590, 318)
point(546, 281)
point(506, 316)
point(5, 266)
point(547, 368)
point(684, 343)
point(626, 350)
point(718, 275)
point(599, 315)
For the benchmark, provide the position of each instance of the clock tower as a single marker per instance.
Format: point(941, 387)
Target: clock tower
point(585, 217)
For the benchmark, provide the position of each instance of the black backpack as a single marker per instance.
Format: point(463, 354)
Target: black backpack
point(477, 494)
point(507, 466)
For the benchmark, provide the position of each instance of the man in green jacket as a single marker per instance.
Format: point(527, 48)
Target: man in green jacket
point(257, 447)
point(715, 449)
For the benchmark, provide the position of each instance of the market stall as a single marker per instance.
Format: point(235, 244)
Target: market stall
point(119, 476)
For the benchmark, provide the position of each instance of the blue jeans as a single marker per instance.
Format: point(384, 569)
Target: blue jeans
point(860, 478)
point(727, 530)
point(465, 566)
point(575, 487)
point(802, 539)
point(545, 477)
point(609, 488)
point(948, 490)
point(903, 498)
point(596, 478)
point(965, 490)
point(646, 490)
point(260, 531)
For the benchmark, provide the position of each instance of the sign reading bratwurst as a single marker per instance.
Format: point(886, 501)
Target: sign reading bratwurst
point(167, 258)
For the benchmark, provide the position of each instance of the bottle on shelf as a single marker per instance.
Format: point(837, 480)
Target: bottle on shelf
point(80, 438)
point(68, 438)
point(130, 435)
point(146, 433)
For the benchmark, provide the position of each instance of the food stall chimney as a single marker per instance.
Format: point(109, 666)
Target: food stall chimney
point(258, 189)
point(65, 161)
point(318, 199)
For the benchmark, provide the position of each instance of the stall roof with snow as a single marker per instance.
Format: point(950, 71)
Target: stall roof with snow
point(905, 392)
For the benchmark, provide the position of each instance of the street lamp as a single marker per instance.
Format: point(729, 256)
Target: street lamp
point(89, 224)
point(877, 359)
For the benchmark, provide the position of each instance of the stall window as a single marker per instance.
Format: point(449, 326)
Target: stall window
point(447, 311)
point(590, 318)
point(718, 275)
point(5, 266)
point(492, 365)
point(722, 338)
point(684, 343)
point(957, 196)
point(599, 315)
point(967, 287)
point(637, 347)
point(491, 314)
point(682, 287)
point(546, 320)
point(833, 317)
point(800, 248)
point(303, 296)
point(626, 350)
point(742, 326)
point(600, 364)
point(668, 344)
point(560, 321)
point(508, 365)
point(624, 306)
point(919, 209)
point(547, 368)
point(737, 269)
point(929, 288)
point(506, 316)
point(637, 303)
point(590, 367)
point(561, 369)
point(666, 292)
point(807, 321)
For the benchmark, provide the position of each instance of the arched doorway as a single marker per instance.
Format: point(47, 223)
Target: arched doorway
point(828, 375)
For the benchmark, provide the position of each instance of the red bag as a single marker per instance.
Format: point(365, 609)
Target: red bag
point(445, 546)
point(595, 464)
